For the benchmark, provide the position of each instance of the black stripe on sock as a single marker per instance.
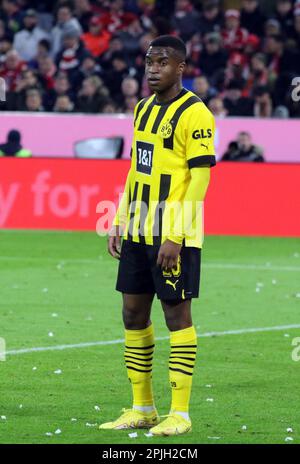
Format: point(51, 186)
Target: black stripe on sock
point(138, 370)
point(182, 357)
point(139, 354)
point(169, 143)
point(139, 347)
point(138, 364)
point(183, 352)
point(138, 359)
point(179, 370)
point(183, 346)
point(182, 364)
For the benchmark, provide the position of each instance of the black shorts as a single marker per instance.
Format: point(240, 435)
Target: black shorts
point(138, 272)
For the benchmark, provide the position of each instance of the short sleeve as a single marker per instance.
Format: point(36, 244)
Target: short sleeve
point(200, 132)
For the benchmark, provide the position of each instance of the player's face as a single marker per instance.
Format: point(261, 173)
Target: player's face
point(162, 69)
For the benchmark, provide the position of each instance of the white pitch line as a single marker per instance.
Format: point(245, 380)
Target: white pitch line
point(208, 265)
point(119, 341)
point(255, 267)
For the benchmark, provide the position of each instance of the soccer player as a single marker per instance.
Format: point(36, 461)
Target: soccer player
point(160, 218)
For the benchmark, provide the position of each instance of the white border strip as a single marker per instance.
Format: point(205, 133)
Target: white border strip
point(119, 341)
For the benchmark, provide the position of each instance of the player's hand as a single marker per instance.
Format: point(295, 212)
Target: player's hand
point(168, 255)
point(114, 242)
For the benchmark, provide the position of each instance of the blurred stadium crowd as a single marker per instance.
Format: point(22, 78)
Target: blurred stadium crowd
point(88, 55)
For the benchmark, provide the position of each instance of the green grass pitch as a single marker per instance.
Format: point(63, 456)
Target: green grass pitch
point(63, 283)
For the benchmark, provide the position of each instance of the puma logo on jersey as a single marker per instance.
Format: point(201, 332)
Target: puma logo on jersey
point(168, 282)
point(206, 146)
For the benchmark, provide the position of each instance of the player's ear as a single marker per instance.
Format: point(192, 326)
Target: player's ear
point(181, 67)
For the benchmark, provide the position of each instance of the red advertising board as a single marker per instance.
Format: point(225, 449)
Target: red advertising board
point(243, 199)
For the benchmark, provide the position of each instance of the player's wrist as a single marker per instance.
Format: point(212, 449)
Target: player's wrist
point(116, 230)
point(176, 239)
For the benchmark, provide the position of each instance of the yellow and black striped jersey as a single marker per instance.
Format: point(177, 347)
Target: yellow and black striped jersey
point(169, 139)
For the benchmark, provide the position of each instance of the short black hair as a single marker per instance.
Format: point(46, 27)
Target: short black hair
point(172, 42)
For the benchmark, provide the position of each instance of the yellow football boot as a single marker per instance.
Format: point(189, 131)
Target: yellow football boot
point(133, 419)
point(174, 424)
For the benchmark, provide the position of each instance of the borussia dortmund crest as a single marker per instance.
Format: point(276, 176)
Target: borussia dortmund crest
point(166, 129)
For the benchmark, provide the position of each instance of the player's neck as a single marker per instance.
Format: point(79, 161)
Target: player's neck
point(169, 94)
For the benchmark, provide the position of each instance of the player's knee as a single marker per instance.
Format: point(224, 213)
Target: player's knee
point(176, 324)
point(133, 318)
point(177, 314)
point(129, 316)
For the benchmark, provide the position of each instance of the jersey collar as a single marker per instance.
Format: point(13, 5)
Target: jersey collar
point(181, 93)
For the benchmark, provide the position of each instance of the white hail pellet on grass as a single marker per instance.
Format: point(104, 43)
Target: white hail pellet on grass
point(260, 284)
point(50, 334)
point(148, 435)
point(49, 434)
point(45, 290)
point(208, 386)
point(54, 315)
point(214, 438)
point(296, 255)
point(210, 400)
point(274, 281)
point(297, 295)
point(97, 408)
point(133, 435)
point(20, 406)
point(289, 430)
point(90, 425)
point(34, 368)
point(286, 335)
point(73, 419)
point(3, 417)
point(57, 432)
point(257, 289)
point(244, 427)
point(58, 371)
point(289, 439)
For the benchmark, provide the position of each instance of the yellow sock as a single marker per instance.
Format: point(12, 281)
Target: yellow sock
point(139, 348)
point(181, 366)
